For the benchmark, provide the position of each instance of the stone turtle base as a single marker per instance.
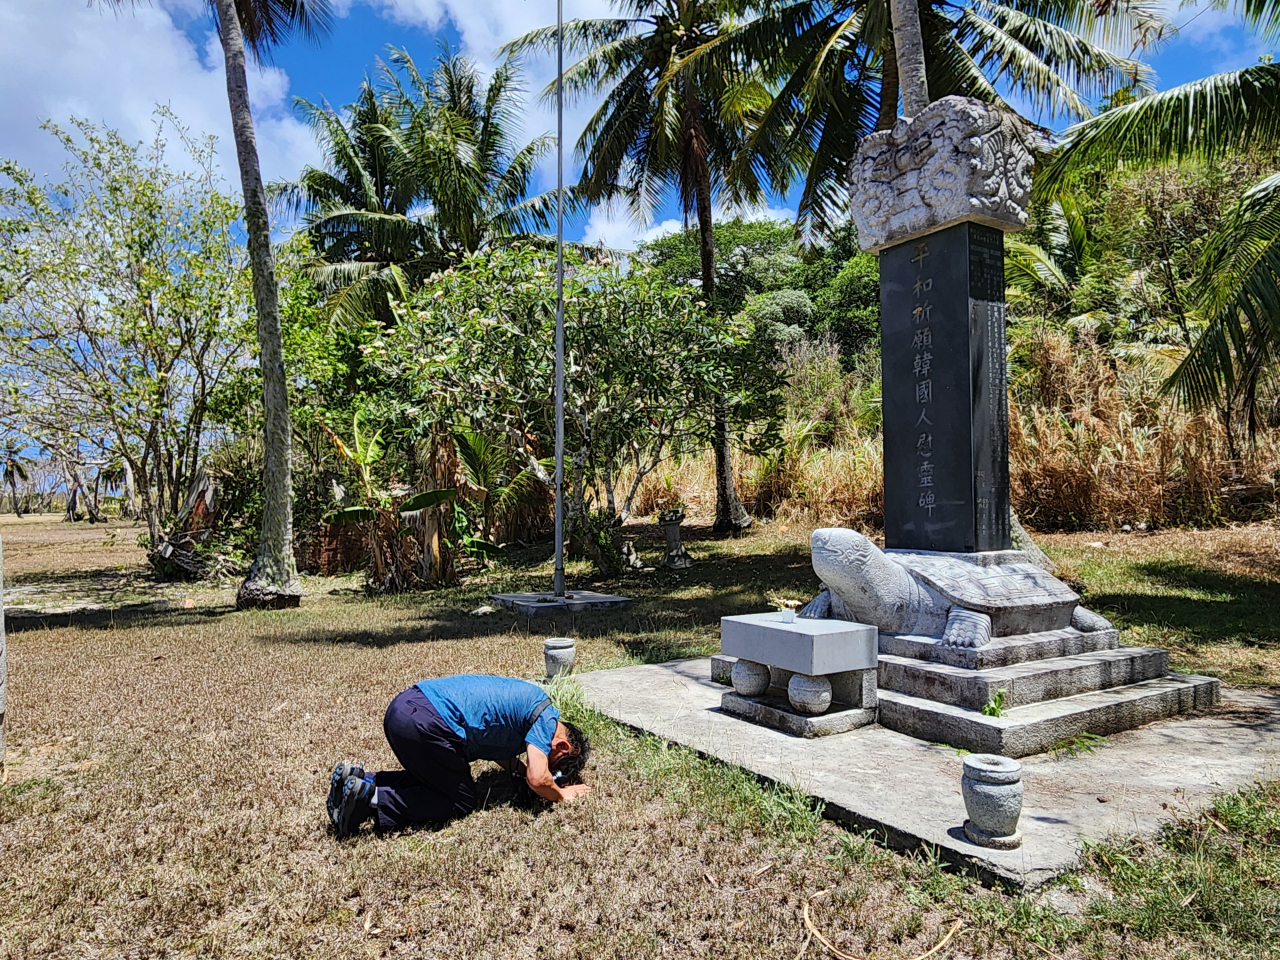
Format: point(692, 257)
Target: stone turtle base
point(776, 712)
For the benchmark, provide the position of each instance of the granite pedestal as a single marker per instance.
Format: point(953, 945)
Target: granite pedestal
point(840, 655)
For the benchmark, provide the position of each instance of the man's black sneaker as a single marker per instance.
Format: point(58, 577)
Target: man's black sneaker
point(339, 777)
point(356, 806)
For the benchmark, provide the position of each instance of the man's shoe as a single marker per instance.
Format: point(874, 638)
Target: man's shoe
point(356, 806)
point(339, 777)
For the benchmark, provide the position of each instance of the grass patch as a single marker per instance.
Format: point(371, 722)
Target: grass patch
point(696, 786)
point(1213, 877)
point(227, 724)
point(1078, 746)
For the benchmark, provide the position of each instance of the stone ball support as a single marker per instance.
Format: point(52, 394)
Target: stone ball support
point(809, 694)
point(750, 679)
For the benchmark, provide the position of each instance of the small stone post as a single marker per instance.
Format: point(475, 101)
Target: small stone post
point(676, 557)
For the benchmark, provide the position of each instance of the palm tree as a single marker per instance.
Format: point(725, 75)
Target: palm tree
point(415, 178)
point(660, 129)
point(1236, 298)
point(496, 479)
point(13, 467)
point(836, 70)
point(258, 26)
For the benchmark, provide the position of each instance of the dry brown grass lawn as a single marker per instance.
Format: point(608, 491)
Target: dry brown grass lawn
point(167, 776)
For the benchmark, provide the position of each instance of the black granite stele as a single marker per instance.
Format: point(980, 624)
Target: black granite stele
point(946, 418)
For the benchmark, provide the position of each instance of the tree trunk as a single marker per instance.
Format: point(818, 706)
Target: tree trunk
point(730, 514)
point(908, 43)
point(72, 490)
point(273, 578)
point(90, 506)
point(888, 115)
point(130, 493)
point(4, 671)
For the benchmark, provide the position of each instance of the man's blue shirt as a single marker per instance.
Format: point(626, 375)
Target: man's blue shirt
point(491, 714)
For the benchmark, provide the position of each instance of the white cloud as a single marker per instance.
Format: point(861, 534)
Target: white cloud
point(618, 230)
point(483, 26)
point(62, 58)
point(761, 212)
point(1215, 34)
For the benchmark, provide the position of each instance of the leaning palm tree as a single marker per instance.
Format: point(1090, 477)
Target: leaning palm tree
point(837, 71)
point(257, 26)
point(416, 175)
point(660, 130)
point(1237, 291)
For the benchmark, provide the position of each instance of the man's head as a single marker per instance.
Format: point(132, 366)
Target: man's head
point(570, 749)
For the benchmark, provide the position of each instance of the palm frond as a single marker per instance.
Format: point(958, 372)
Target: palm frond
point(1205, 119)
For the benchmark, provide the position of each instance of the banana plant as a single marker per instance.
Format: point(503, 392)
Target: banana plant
point(401, 543)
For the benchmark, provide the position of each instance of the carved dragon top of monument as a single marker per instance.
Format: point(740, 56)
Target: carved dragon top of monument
point(964, 601)
point(957, 159)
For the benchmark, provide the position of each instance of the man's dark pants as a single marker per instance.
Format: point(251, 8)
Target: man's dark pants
point(436, 783)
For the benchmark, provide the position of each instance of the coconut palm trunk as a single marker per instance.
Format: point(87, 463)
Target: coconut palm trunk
point(273, 577)
point(908, 42)
point(888, 114)
point(730, 514)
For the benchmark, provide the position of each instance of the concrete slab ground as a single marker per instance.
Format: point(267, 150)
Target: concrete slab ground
point(909, 791)
point(548, 604)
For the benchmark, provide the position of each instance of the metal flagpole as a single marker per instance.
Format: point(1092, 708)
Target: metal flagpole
point(558, 584)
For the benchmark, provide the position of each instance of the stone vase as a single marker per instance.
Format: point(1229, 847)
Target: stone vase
point(992, 789)
point(558, 652)
point(750, 679)
point(809, 694)
point(676, 557)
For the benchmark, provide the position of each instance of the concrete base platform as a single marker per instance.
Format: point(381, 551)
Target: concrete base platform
point(908, 790)
point(548, 604)
point(776, 712)
point(1037, 727)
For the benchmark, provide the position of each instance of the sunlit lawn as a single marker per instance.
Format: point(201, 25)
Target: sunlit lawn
point(167, 771)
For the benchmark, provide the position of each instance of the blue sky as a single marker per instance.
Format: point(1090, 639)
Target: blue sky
point(61, 58)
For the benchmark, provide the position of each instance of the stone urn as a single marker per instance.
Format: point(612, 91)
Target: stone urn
point(676, 557)
point(992, 788)
point(558, 652)
point(750, 679)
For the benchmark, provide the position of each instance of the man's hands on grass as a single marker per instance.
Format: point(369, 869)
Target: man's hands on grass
point(538, 776)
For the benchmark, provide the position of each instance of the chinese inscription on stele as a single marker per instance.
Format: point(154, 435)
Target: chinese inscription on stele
point(945, 419)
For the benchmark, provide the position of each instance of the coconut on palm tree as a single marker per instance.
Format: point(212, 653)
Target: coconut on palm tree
point(416, 175)
point(256, 27)
point(1236, 299)
point(660, 130)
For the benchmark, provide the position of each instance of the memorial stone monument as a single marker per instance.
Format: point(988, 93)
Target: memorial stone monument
point(933, 197)
point(977, 646)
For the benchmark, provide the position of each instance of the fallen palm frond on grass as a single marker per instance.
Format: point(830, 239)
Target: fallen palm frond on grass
point(837, 952)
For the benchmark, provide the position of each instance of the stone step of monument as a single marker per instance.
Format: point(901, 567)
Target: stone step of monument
point(1001, 651)
point(1024, 731)
point(1023, 683)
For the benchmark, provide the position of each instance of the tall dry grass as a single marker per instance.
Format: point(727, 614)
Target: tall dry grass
point(1092, 445)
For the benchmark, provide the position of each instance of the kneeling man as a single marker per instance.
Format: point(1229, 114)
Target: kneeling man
point(436, 729)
